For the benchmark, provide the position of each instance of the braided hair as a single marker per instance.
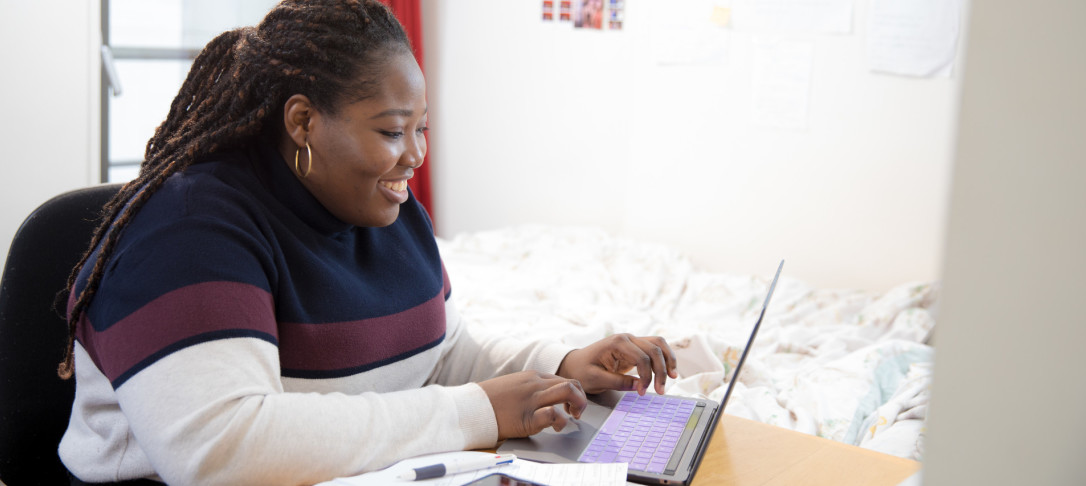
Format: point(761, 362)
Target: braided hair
point(327, 50)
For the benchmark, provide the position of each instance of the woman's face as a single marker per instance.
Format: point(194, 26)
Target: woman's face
point(364, 154)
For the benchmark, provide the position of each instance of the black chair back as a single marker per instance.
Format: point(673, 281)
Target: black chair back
point(34, 402)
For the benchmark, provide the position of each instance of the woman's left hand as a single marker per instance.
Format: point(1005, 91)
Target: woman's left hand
point(603, 365)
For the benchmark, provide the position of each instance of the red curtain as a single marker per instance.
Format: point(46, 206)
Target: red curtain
point(409, 12)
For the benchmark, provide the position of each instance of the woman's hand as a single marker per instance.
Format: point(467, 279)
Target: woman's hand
point(524, 402)
point(603, 365)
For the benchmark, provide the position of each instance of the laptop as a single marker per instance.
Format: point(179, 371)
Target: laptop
point(662, 438)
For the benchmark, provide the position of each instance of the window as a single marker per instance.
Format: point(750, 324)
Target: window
point(153, 43)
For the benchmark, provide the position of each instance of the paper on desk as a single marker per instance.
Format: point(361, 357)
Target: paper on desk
point(550, 474)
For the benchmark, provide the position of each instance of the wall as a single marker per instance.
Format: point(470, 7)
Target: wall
point(533, 123)
point(1008, 391)
point(537, 124)
point(50, 107)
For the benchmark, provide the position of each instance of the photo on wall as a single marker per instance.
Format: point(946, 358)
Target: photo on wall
point(588, 14)
point(615, 14)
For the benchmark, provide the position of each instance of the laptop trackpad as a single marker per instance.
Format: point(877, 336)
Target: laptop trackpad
point(567, 445)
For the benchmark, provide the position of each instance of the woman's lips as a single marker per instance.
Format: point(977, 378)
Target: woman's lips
point(395, 191)
point(398, 186)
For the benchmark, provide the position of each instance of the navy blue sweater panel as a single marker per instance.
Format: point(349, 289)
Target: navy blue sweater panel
point(245, 219)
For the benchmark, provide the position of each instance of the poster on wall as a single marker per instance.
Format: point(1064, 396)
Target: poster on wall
point(565, 11)
point(585, 14)
point(616, 13)
point(588, 14)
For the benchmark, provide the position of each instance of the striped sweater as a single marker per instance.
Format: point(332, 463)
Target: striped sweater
point(244, 335)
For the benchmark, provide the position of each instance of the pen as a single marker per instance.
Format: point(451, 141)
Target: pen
point(457, 466)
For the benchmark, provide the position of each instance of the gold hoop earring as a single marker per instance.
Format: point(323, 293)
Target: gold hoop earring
point(309, 158)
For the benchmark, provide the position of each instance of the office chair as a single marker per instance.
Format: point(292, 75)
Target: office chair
point(34, 402)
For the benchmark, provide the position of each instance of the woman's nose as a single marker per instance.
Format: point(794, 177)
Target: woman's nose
point(416, 152)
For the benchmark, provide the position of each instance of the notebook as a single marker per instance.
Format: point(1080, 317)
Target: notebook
point(662, 438)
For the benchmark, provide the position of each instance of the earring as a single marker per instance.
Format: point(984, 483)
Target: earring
point(309, 157)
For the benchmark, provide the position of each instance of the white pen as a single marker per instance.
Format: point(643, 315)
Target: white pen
point(456, 466)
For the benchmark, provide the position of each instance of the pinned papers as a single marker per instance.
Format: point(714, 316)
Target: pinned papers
point(781, 82)
point(812, 16)
point(690, 32)
point(913, 37)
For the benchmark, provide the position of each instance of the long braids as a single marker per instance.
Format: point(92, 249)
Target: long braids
point(328, 50)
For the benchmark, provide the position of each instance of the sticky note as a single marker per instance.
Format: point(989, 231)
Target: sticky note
point(721, 16)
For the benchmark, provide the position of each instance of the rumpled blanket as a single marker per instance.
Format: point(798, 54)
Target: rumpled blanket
point(844, 364)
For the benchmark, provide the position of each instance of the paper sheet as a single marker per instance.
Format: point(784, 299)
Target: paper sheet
point(913, 37)
point(818, 16)
point(551, 474)
point(688, 32)
point(782, 82)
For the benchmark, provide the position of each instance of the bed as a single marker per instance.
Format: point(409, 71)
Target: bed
point(847, 365)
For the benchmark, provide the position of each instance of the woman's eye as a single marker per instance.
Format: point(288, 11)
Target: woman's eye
point(393, 135)
point(423, 130)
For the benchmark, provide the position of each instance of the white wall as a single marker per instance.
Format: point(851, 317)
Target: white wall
point(537, 124)
point(1009, 393)
point(50, 89)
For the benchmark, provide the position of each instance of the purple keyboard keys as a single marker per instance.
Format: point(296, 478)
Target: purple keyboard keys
point(642, 431)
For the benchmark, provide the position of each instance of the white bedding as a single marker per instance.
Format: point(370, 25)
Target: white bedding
point(847, 365)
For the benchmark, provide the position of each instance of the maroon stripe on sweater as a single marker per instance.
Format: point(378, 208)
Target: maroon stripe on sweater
point(183, 315)
point(355, 345)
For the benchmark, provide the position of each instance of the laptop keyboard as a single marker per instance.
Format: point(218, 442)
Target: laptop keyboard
point(642, 431)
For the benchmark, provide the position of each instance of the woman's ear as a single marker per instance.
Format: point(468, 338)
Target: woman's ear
point(297, 112)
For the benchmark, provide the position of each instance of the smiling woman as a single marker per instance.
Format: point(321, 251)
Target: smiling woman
point(367, 150)
point(266, 303)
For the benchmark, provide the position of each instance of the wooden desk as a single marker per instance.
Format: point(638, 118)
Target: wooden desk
point(744, 452)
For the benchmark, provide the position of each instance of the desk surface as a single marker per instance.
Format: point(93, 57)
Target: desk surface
point(744, 452)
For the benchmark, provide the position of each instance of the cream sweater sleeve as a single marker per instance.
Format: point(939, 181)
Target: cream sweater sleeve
point(217, 413)
point(474, 356)
point(214, 414)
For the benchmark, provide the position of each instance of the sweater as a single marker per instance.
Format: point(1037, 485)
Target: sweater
point(242, 334)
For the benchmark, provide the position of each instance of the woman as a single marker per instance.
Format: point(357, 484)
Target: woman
point(265, 303)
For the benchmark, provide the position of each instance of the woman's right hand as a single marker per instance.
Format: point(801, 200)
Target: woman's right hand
point(524, 402)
